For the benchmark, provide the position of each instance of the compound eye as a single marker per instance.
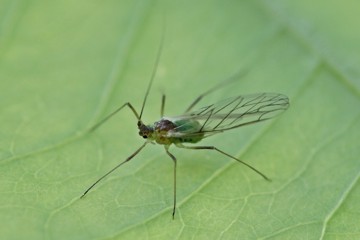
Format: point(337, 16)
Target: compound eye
point(144, 136)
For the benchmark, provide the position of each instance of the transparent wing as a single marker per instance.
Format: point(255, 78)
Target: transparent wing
point(234, 112)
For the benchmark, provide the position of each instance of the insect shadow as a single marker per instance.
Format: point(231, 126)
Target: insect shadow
point(194, 125)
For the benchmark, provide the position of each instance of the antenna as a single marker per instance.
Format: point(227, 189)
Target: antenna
point(128, 104)
point(154, 70)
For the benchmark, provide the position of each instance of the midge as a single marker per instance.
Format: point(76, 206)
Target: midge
point(194, 125)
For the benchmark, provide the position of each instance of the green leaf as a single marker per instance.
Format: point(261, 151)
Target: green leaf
point(64, 65)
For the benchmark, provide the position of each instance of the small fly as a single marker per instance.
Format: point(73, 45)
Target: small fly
point(195, 125)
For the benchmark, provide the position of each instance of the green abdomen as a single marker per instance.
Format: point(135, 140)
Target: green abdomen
point(189, 131)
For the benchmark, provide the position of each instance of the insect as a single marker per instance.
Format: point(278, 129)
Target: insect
point(195, 125)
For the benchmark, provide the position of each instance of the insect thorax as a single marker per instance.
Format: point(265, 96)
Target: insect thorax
point(168, 131)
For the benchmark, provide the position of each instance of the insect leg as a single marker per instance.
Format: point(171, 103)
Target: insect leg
point(162, 105)
point(113, 113)
point(226, 154)
point(216, 87)
point(116, 167)
point(174, 160)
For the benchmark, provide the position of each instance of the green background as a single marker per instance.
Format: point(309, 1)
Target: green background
point(66, 64)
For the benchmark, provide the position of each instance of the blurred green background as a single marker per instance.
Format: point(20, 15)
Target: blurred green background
point(66, 64)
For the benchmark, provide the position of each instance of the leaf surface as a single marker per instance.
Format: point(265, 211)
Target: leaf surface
point(65, 65)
